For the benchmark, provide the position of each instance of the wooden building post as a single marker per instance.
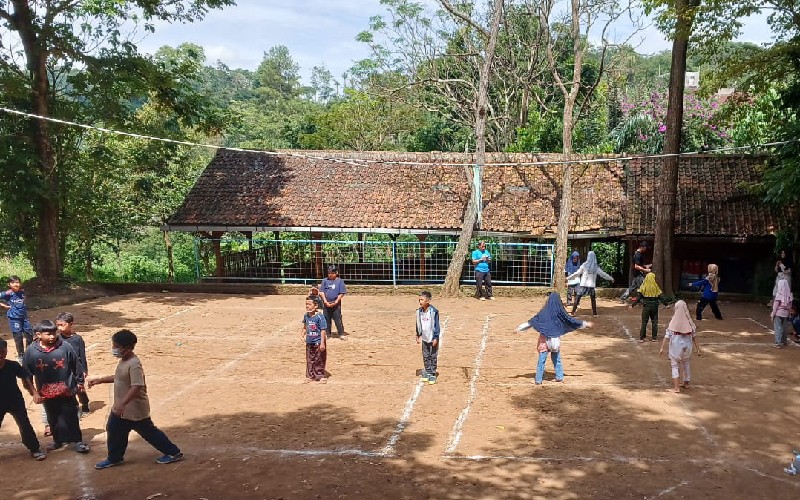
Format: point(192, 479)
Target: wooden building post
point(215, 242)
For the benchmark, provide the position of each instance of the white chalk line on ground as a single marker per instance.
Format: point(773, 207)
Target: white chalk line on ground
point(703, 430)
point(762, 325)
point(458, 426)
point(198, 381)
point(341, 452)
point(771, 330)
point(548, 459)
point(792, 482)
point(409, 408)
point(84, 481)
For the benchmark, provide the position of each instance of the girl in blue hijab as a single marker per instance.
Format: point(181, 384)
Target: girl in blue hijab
point(552, 321)
point(572, 265)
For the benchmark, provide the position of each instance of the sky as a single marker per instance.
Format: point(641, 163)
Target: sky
point(322, 32)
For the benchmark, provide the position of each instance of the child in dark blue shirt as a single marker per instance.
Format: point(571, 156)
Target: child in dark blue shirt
point(11, 400)
point(14, 299)
point(710, 288)
point(64, 322)
point(313, 334)
point(56, 376)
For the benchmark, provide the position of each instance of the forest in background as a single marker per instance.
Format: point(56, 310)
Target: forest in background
point(415, 93)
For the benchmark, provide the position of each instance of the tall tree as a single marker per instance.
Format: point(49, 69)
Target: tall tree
point(57, 37)
point(453, 278)
point(720, 22)
point(582, 18)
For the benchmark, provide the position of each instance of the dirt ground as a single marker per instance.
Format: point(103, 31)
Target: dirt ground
point(225, 378)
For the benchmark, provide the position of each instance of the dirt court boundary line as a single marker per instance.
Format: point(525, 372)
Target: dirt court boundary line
point(458, 426)
point(409, 407)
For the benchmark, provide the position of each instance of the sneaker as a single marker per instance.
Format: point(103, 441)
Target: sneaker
point(431, 379)
point(105, 464)
point(38, 455)
point(425, 377)
point(482, 298)
point(168, 459)
point(82, 447)
point(54, 446)
point(491, 298)
point(777, 346)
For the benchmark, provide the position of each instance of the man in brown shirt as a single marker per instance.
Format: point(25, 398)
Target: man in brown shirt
point(131, 410)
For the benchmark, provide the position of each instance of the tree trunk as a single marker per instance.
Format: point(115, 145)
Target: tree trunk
point(668, 180)
point(47, 259)
point(568, 118)
point(451, 283)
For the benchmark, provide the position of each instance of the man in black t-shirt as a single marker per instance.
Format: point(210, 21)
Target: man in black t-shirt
point(640, 269)
point(11, 400)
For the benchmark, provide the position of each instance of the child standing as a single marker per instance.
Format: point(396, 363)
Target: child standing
point(131, 410)
point(11, 400)
point(680, 335)
point(650, 296)
point(64, 322)
point(17, 314)
point(428, 331)
point(572, 265)
point(56, 375)
point(588, 273)
point(313, 334)
point(710, 287)
point(551, 322)
point(333, 290)
point(780, 312)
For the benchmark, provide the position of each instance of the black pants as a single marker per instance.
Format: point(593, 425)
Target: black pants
point(483, 281)
point(83, 399)
point(430, 357)
point(649, 313)
point(714, 308)
point(22, 340)
point(20, 414)
point(635, 284)
point(62, 416)
point(334, 313)
point(585, 291)
point(119, 429)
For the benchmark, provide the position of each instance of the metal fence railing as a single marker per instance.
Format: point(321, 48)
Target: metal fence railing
point(378, 262)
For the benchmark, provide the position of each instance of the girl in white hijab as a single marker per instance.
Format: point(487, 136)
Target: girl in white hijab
point(680, 336)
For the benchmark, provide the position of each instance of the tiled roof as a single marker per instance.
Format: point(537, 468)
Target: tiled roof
point(713, 197)
point(256, 190)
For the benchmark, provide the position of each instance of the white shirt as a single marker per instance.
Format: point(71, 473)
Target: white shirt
point(427, 325)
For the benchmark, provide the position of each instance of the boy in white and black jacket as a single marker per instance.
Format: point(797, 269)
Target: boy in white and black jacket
point(428, 331)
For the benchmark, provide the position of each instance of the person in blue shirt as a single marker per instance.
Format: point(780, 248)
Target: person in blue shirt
point(483, 276)
point(313, 334)
point(710, 288)
point(21, 330)
point(794, 319)
point(333, 290)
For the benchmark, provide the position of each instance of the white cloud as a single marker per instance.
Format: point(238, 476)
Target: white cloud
point(323, 32)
